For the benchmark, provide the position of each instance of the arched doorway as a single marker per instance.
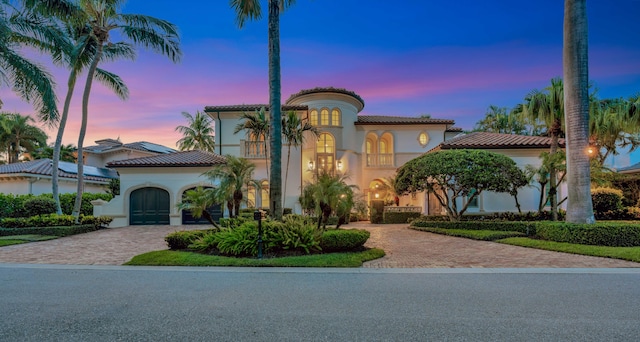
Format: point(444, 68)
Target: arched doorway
point(215, 211)
point(149, 206)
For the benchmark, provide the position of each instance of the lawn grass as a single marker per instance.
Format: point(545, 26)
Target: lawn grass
point(624, 253)
point(6, 242)
point(180, 258)
point(484, 235)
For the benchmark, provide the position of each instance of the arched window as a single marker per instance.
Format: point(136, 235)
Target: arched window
point(313, 117)
point(325, 150)
point(324, 117)
point(251, 196)
point(383, 147)
point(385, 155)
point(265, 194)
point(335, 117)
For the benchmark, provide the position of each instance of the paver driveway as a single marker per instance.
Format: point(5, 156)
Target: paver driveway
point(404, 248)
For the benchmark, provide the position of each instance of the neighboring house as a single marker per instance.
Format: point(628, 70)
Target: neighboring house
point(524, 150)
point(109, 150)
point(34, 177)
point(151, 187)
point(630, 170)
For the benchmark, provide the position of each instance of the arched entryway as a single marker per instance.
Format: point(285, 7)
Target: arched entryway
point(215, 211)
point(149, 206)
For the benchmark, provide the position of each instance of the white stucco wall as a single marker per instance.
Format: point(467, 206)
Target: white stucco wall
point(37, 185)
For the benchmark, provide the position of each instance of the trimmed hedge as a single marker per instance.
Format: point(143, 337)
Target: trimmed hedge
point(403, 217)
point(182, 239)
point(344, 240)
point(40, 206)
point(14, 205)
point(53, 220)
point(499, 216)
point(528, 228)
point(606, 199)
point(614, 234)
point(53, 231)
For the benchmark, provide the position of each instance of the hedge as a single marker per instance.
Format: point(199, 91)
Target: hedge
point(182, 239)
point(14, 205)
point(53, 231)
point(52, 220)
point(399, 217)
point(606, 199)
point(528, 228)
point(614, 234)
point(343, 240)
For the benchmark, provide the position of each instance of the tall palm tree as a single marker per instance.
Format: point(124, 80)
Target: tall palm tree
point(250, 9)
point(256, 127)
point(233, 176)
point(575, 67)
point(198, 134)
point(293, 132)
point(19, 135)
point(613, 124)
point(548, 107)
point(20, 27)
point(142, 30)
point(67, 153)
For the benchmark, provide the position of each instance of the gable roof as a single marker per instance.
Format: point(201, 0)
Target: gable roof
point(193, 158)
point(486, 140)
point(107, 145)
point(44, 167)
point(398, 120)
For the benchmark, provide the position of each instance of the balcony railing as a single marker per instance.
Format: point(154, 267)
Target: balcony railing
point(252, 149)
point(380, 159)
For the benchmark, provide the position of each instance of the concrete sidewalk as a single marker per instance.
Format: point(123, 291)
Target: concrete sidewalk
point(405, 248)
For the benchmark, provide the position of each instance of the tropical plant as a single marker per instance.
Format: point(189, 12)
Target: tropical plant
point(251, 9)
point(256, 127)
point(328, 194)
point(19, 135)
point(197, 201)
point(102, 17)
point(293, 133)
point(67, 153)
point(613, 124)
point(233, 176)
point(541, 174)
point(198, 134)
point(548, 107)
point(20, 27)
point(453, 174)
point(498, 120)
point(575, 67)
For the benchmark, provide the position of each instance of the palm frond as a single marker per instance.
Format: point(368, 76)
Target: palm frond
point(113, 82)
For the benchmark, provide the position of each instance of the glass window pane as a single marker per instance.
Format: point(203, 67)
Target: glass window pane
point(335, 117)
point(324, 117)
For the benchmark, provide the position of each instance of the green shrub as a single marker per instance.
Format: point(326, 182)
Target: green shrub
point(606, 199)
point(53, 220)
point(528, 228)
point(498, 216)
point(182, 239)
point(40, 206)
point(628, 213)
point(238, 241)
point(52, 231)
point(377, 210)
point(295, 233)
point(615, 234)
point(344, 240)
point(14, 205)
point(399, 217)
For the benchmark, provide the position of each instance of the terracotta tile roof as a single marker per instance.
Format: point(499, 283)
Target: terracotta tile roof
point(485, 140)
point(454, 129)
point(44, 167)
point(249, 108)
point(106, 145)
point(177, 159)
point(326, 90)
point(398, 120)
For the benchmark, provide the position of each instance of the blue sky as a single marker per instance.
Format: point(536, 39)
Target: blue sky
point(409, 57)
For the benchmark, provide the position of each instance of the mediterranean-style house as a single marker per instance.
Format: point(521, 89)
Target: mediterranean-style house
point(366, 148)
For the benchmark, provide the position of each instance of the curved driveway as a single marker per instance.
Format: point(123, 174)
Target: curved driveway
point(405, 248)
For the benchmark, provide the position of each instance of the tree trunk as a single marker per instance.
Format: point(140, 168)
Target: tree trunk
point(58, 145)
point(83, 130)
point(286, 175)
point(275, 111)
point(575, 68)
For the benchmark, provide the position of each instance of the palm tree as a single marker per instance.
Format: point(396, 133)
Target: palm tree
point(575, 69)
point(233, 176)
point(293, 133)
point(256, 127)
point(197, 201)
point(67, 153)
point(328, 194)
point(18, 28)
point(548, 107)
point(250, 9)
point(18, 135)
point(146, 31)
point(198, 134)
point(613, 124)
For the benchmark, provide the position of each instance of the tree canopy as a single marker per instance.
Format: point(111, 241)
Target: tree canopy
point(453, 174)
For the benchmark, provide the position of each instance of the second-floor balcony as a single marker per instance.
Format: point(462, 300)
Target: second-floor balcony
point(379, 159)
point(252, 149)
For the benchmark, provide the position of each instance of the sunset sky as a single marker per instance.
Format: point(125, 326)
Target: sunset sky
point(450, 59)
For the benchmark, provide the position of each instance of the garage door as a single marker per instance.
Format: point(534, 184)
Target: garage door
point(149, 206)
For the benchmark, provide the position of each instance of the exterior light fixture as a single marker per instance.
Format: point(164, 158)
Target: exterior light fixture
point(590, 151)
point(310, 165)
point(377, 195)
point(339, 165)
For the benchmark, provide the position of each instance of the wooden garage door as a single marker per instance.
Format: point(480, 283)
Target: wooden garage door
point(149, 206)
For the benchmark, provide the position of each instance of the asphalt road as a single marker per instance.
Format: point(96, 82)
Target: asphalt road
point(103, 303)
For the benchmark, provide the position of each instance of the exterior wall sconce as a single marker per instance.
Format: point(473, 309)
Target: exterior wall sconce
point(339, 165)
point(590, 151)
point(377, 195)
point(310, 165)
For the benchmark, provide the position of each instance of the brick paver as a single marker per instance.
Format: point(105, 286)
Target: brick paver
point(404, 248)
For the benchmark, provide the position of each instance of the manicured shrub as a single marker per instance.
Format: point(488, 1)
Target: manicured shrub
point(53, 220)
point(39, 206)
point(399, 217)
point(606, 199)
point(528, 228)
point(295, 233)
point(239, 241)
point(53, 231)
point(628, 213)
point(344, 240)
point(615, 234)
point(377, 210)
point(499, 216)
point(182, 239)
